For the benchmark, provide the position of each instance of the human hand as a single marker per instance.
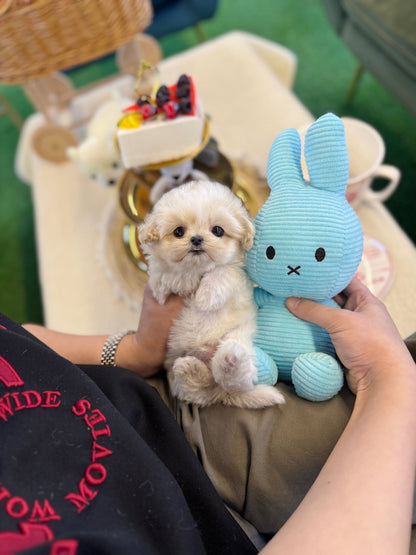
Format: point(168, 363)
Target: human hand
point(364, 336)
point(152, 334)
point(143, 352)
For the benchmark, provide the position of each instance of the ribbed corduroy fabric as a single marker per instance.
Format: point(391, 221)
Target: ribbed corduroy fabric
point(308, 243)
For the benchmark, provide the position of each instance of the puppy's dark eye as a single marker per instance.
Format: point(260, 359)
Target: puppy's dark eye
point(217, 231)
point(179, 231)
point(270, 252)
point(93, 176)
point(115, 165)
point(320, 254)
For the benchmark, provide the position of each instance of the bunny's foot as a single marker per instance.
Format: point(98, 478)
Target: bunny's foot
point(317, 376)
point(266, 368)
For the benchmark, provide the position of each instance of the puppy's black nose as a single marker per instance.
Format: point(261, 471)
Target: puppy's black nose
point(197, 240)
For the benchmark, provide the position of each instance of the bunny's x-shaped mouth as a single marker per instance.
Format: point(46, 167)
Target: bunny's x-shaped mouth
point(294, 270)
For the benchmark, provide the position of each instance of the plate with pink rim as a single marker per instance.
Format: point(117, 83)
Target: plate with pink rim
point(376, 267)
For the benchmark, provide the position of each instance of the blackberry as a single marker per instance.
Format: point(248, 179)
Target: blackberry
point(183, 80)
point(185, 106)
point(145, 99)
point(183, 90)
point(162, 95)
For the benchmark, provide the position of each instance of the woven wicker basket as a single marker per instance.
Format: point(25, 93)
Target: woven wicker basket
point(49, 35)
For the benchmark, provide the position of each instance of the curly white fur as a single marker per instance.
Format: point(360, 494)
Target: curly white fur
point(195, 240)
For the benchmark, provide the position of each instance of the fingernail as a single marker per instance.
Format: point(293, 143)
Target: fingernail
point(292, 303)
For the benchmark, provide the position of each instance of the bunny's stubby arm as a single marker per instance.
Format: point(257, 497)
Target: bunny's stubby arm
point(261, 297)
point(267, 371)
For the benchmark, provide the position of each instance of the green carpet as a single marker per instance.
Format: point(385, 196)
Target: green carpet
point(325, 70)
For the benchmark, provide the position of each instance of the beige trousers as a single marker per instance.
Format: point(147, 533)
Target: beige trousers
point(262, 462)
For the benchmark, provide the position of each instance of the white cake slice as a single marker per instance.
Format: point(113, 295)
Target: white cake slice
point(161, 139)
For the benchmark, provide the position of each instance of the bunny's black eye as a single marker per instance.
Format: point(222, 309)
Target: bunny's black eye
point(320, 254)
point(270, 252)
point(179, 231)
point(217, 231)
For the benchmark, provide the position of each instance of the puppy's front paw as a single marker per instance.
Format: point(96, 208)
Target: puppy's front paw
point(233, 368)
point(204, 298)
point(161, 295)
point(159, 290)
point(212, 294)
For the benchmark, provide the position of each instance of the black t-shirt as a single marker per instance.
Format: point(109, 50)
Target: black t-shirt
point(92, 461)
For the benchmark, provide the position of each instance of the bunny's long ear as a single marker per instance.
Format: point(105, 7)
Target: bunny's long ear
point(283, 164)
point(326, 154)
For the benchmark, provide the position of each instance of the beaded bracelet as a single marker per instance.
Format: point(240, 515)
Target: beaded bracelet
point(110, 346)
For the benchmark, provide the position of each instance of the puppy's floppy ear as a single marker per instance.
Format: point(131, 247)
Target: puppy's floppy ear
point(247, 237)
point(148, 230)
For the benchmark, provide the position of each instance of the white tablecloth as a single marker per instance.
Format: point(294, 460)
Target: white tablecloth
point(245, 84)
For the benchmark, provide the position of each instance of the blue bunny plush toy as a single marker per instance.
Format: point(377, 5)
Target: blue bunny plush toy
point(308, 243)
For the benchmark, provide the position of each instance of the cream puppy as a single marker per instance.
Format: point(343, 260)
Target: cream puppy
point(195, 240)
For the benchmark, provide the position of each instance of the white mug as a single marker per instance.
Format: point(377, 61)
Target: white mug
point(366, 152)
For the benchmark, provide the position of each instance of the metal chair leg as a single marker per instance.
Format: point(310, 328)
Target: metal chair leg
point(200, 32)
point(354, 84)
point(7, 109)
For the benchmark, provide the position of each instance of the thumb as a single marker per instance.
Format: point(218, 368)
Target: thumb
point(311, 311)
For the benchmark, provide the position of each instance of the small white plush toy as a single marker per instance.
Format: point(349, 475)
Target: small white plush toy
point(97, 155)
point(173, 176)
